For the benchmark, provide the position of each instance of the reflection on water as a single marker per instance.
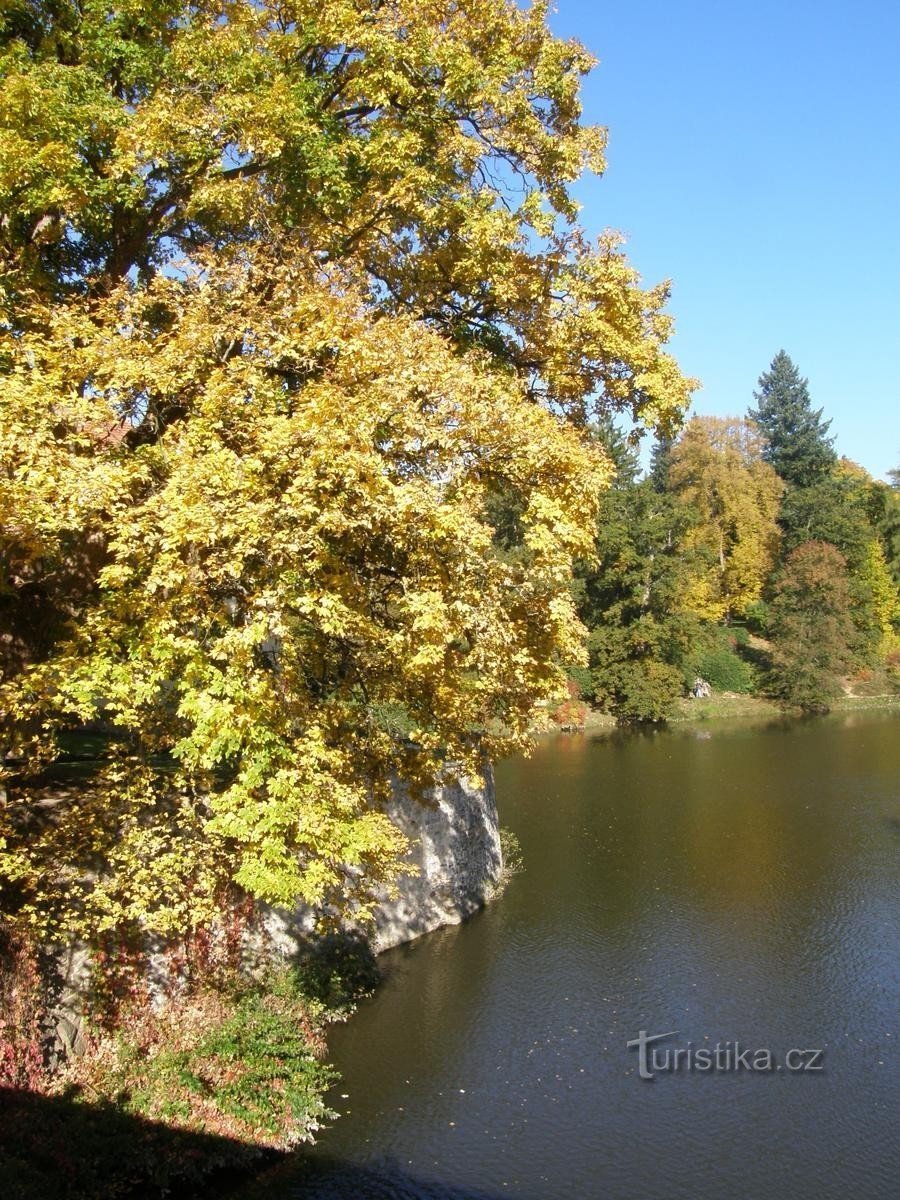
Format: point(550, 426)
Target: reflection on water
point(728, 883)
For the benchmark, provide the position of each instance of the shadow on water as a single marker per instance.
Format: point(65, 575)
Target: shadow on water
point(61, 1148)
point(323, 1177)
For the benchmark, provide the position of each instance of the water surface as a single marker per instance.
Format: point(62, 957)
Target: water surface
point(730, 883)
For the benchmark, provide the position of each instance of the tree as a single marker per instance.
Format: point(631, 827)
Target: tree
point(631, 599)
point(287, 294)
point(811, 627)
point(884, 514)
point(660, 458)
point(797, 443)
point(857, 515)
point(717, 468)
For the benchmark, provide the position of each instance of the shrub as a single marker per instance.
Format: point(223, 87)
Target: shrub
point(639, 690)
point(513, 861)
point(757, 615)
point(511, 849)
point(334, 973)
point(724, 670)
point(890, 657)
point(245, 1066)
point(583, 680)
point(738, 636)
point(23, 1010)
point(571, 713)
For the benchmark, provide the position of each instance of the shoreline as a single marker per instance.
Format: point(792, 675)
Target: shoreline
point(724, 706)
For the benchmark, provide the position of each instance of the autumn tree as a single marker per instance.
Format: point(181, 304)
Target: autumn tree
point(811, 627)
point(797, 445)
point(717, 467)
point(858, 516)
point(288, 293)
point(884, 512)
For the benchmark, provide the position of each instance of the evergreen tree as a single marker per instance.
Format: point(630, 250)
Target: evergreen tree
point(660, 460)
point(632, 602)
point(798, 446)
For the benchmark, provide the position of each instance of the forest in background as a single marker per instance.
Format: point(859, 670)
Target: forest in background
point(750, 558)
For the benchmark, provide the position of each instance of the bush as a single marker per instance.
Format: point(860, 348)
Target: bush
point(571, 714)
point(757, 617)
point(724, 670)
point(639, 690)
point(738, 636)
point(583, 680)
point(513, 861)
point(511, 849)
point(243, 1066)
point(892, 663)
point(334, 973)
point(23, 1012)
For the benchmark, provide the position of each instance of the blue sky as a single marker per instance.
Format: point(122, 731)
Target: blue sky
point(754, 159)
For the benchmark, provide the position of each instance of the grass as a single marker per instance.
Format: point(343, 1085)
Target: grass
point(724, 706)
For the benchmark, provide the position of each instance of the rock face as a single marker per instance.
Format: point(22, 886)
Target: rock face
point(455, 845)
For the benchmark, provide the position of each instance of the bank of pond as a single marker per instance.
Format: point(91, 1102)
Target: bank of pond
point(730, 884)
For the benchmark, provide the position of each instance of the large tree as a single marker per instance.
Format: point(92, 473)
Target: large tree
point(812, 630)
point(717, 467)
point(859, 516)
point(288, 294)
point(797, 443)
point(631, 598)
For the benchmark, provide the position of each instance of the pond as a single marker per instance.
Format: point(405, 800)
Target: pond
point(733, 886)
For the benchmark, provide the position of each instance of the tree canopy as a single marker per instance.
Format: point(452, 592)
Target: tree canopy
point(718, 468)
point(812, 630)
point(288, 292)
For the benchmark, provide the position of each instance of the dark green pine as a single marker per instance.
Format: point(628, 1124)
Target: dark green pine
point(798, 444)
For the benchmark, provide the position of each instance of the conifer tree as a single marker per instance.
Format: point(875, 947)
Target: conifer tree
point(798, 446)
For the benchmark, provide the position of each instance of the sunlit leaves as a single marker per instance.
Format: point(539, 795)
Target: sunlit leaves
point(718, 469)
point(290, 293)
point(283, 561)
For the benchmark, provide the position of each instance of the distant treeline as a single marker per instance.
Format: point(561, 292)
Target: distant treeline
point(750, 556)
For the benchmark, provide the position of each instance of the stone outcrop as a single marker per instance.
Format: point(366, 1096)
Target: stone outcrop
point(455, 851)
point(455, 847)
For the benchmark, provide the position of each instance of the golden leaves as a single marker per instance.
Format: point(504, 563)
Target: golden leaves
point(290, 294)
point(306, 543)
point(718, 468)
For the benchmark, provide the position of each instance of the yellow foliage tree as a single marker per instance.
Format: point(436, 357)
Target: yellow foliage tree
point(718, 469)
point(288, 292)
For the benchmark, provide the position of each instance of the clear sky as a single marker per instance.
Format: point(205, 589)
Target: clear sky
point(754, 160)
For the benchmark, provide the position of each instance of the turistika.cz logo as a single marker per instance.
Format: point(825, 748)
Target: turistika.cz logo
point(724, 1057)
